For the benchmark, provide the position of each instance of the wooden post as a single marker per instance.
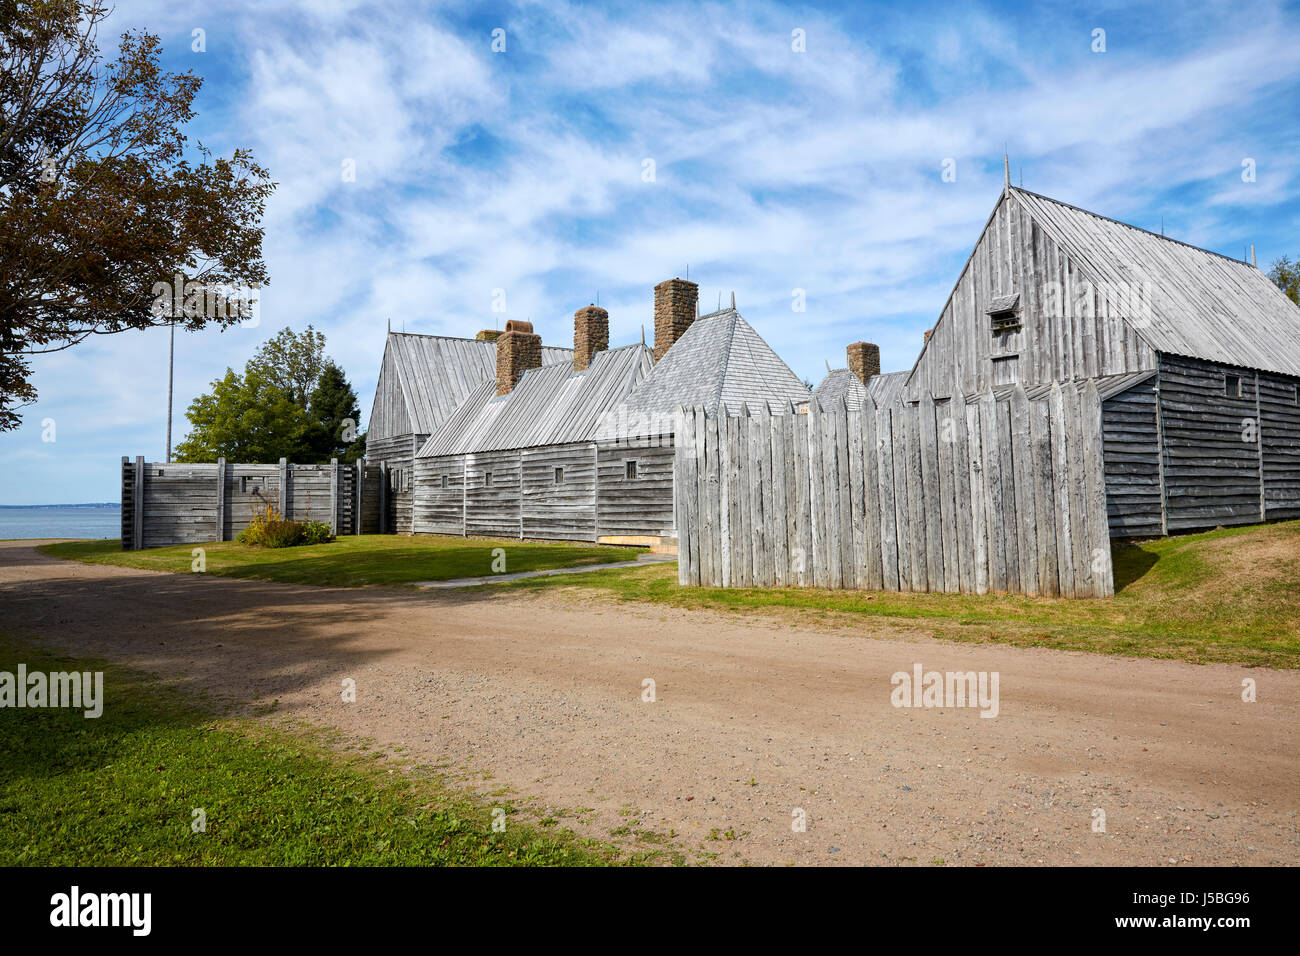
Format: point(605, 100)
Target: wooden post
point(359, 480)
point(1259, 442)
point(283, 500)
point(383, 497)
point(595, 493)
point(137, 536)
point(125, 534)
point(221, 499)
point(464, 497)
point(334, 496)
point(1160, 459)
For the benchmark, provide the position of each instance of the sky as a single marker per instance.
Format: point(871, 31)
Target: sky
point(538, 156)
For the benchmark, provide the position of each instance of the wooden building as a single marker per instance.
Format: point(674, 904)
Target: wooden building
point(584, 450)
point(1196, 355)
point(422, 380)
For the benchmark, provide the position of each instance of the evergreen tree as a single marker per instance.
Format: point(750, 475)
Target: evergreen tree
point(335, 416)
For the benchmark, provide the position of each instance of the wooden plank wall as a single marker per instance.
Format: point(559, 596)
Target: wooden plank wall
point(180, 503)
point(1211, 445)
point(594, 496)
point(970, 497)
point(1280, 433)
point(1132, 445)
point(1071, 329)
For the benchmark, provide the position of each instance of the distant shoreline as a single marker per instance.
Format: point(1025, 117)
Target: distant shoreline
point(98, 504)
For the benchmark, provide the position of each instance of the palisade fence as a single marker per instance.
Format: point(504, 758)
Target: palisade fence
point(184, 503)
point(977, 497)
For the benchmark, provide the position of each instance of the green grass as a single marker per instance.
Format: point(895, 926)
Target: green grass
point(120, 790)
point(352, 561)
point(1230, 596)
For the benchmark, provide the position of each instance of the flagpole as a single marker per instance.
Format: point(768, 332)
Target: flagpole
point(171, 358)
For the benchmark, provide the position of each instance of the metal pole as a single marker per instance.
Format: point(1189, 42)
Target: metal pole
point(171, 358)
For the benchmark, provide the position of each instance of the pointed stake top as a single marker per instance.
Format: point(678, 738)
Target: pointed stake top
point(1252, 255)
point(1006, 171)
point(733, 298)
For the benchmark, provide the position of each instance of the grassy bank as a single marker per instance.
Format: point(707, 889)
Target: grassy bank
point(352, 561)
point(1228, 596)
point(122, 789)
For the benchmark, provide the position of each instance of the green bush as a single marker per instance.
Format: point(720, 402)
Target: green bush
point(269, 529)
point(316, 532)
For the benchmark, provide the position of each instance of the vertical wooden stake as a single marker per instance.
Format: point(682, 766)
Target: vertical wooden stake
point(221, 499)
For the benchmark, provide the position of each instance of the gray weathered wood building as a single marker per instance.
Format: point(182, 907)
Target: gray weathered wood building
point(422, 381)
point(1196, 355)
point(584, 449)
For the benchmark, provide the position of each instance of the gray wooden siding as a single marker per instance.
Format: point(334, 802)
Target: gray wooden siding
point(182, 503)
point(564, 510)
point(492, 505)
point(398, 453)
point(1280, 433)
point(642, 505)
point(977, 498)
point(1132, 449)
point(524, 499)
point(1211, 472)
point(439, 510)
point(1074, 337)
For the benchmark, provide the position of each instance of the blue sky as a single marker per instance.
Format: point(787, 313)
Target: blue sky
point(775, 170)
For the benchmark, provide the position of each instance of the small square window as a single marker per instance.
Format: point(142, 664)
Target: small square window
point(1232, 386)
point(559, 476)
point(630, 468)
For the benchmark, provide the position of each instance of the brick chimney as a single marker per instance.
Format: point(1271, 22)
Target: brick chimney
point(590, 335)
point(674, 312)
point(864, 360)
point(518, 350)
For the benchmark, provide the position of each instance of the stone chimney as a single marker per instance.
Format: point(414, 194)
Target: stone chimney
point(487, 335)
point(674, 312)
point(518, 350)
point(864, 360)
point(590, 335)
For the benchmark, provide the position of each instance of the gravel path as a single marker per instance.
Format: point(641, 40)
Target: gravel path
point(754, 718)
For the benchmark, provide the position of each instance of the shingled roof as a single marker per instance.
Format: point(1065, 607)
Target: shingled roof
point(841, 383)
point(551, 405)
point(1204, 305)
point(434, 374)
point(720, 362)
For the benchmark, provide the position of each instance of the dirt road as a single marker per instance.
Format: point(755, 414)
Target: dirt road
point(753, 718)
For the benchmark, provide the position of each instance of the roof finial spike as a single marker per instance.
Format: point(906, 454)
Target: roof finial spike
point(390, 324)
point(1252, 256)
point(828, 366)
point(733, 298)
point(1006, 168)
point(642, 335)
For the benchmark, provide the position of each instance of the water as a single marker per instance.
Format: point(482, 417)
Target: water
point(62, 521)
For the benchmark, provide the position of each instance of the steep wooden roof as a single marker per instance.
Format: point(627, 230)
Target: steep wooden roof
point(551, 405)
point(720, 362)
point(424, 378)
point(1203, 305)
point(841, 383)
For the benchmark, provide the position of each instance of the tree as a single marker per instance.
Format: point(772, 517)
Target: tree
point(1286, 274)
point(246, 418)
point(292, 362)
point(109, 221)
point(334, 415)
point(290, 402)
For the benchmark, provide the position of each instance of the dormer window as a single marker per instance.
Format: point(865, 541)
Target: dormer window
point(1004, 314)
